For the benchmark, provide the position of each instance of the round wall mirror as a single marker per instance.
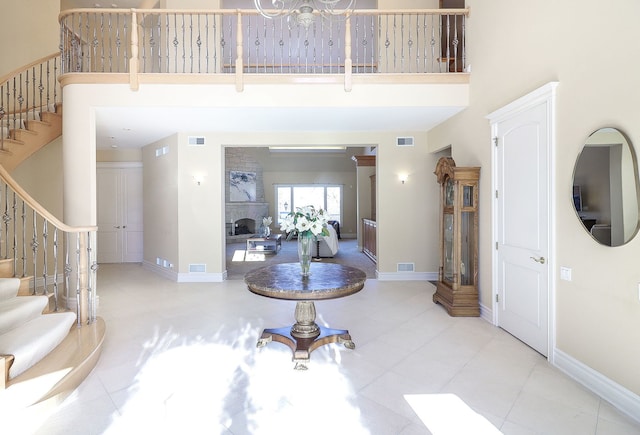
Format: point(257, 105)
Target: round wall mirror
point(606, 188)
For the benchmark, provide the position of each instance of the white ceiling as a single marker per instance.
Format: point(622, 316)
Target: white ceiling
point(137, 127)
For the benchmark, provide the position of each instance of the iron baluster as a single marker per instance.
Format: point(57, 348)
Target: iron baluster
point(5, 219)
point(24, 240)
point(184, 46)
point(55, 268)
point(77, 268)
point(67, 270)
point(45, 266)
point(15, 236)
point(34, 250)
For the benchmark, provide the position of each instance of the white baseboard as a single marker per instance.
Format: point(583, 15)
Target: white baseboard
point(39, 282)
point(162, 271)
point(202, 277)
point(407, 276)
point(184, 277)
point(623, 399)
point(486, 313)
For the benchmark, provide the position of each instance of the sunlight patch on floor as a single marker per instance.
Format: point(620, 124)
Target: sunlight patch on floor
point(210, 385)
point(447, 414)
point(240, 255)
point(284, 400)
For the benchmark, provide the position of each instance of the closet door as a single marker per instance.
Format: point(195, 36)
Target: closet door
point(119, 214)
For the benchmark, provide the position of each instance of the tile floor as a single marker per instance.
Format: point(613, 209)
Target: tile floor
point(181, 358)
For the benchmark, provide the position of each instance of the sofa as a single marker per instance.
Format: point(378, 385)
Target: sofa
point(327, 246)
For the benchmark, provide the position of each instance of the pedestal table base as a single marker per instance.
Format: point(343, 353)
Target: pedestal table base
point(305, 335)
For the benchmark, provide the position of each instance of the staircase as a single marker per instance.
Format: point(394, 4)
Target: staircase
point(30, 110)
point(46, 349)
point(20, 143)
point(28, 330)
point(50, 336)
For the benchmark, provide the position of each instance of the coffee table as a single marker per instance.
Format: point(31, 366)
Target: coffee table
point(326, 281)
point(266, 245)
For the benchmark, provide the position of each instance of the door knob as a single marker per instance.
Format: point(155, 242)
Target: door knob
point(118, 227)
point(540, 260)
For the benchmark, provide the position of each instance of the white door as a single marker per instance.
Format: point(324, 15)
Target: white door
point(522, 147)
point(119, 215)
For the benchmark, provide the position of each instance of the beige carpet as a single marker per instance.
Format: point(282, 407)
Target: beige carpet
point(239, 262)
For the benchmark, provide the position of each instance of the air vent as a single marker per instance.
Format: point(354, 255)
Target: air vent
point(197, 268)
point(404, 141)
point(196, 140)
point(406, 267)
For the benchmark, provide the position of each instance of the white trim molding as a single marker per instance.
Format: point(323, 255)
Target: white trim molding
point(407, 276)
point(184, 277)
point(623, 399)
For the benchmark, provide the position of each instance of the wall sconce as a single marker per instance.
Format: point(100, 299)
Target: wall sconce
point(403, 178)
point(198, 179)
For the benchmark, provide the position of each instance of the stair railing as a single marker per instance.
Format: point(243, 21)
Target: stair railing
point(48, 252)
point(27, 92)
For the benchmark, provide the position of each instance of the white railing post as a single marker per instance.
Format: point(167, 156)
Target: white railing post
point(134, 62)
point(239, 55)
point(348, 62)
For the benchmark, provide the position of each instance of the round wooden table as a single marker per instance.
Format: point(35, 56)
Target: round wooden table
point(326, 281)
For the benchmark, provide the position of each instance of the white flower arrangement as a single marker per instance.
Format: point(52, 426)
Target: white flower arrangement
point(266, 221)
point(305, 221)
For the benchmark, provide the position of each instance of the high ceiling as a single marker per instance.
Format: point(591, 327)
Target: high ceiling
point(136, 127)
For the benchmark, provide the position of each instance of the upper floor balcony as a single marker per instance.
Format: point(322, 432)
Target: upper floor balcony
point(242, 46)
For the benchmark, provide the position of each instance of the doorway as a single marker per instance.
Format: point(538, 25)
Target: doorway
point(523, 147)
point(120, 225)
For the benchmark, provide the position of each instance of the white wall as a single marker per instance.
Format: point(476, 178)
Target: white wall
point(514, 48)
point(29, 32)
point(160, 193)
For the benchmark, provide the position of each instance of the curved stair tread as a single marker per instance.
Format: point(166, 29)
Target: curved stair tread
point(19, 310)
point(30, 342)
point(59, 373)
point(9, 288)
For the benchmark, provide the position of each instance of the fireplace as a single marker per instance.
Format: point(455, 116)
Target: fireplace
point(244, 219)
point(244, 226)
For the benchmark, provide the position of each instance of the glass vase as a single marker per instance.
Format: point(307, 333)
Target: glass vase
point(305, 245)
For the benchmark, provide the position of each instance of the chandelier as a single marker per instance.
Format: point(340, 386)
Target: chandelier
point(302, 11)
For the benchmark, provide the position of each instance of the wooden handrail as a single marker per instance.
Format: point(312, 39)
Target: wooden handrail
point(35, 205)
point(66, 12)
point(17, 71)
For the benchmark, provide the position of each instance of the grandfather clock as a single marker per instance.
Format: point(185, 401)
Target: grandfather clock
point(457, 286)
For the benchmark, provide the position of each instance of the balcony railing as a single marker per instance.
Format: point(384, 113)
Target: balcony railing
point(28, 92)
point(142, 41)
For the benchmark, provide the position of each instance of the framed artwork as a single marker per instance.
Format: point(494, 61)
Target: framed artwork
point(242, 186)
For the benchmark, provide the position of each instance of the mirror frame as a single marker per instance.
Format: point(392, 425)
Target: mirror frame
point(636, 175)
